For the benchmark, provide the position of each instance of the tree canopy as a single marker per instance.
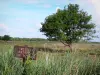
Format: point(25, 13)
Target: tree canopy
point(68, 25)
point(6, 38)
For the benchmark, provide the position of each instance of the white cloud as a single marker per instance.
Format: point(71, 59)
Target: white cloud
point(3, 29)
point(38, 25)
point(96, 5)
point(47, 5)
point(57, 8)
point(3, 26)
point(96, 12)
point(92, 7)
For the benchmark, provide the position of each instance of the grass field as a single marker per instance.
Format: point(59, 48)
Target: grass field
point(84, 60)
point(49, 44)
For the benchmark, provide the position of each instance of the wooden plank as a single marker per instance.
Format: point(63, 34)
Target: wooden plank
point(24, 52)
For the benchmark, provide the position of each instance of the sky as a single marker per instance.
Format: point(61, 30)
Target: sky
point(22, 18)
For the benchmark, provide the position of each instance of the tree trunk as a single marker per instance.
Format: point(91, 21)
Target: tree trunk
point(67, 44)
point(70, 46)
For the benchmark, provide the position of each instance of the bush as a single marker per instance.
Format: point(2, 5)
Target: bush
point(0, 37)
point(6, 38)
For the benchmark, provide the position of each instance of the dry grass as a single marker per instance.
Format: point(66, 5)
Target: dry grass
point(75, 63)
point(51, 45)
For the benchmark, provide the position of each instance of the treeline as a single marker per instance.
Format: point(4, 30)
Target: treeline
point(27, 39)
point(8, 38)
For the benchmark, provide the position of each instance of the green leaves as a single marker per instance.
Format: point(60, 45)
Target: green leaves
point(6, 38)
point(70, 24)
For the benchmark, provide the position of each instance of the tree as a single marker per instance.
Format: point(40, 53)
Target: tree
point(0, 37)
point(6, 38)
point(68, 25)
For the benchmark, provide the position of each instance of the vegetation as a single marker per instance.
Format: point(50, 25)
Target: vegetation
point(0, 37)
point(8, 38)
point(28, 39)
point(68, 25)
point(74, 63)
point(5, 37)
point(78, 62)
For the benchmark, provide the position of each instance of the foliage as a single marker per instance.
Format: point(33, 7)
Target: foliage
point(6, 38)
point(27, 39)
point(0, 37)
point(74, 63)
point(9, 65)
point(68, 25)
point(47, 63)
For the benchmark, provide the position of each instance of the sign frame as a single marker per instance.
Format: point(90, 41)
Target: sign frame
point(25, 51)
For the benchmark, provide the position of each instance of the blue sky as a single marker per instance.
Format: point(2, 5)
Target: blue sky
point(22, 18)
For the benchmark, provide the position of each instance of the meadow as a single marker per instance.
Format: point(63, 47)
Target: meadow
point(84, 60)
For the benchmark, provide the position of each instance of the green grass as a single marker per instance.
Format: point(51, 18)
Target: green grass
point(78, 62)
point(9, 65)
point(74, 63)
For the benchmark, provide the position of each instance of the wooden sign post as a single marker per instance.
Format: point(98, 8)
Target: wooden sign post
point(24, 51)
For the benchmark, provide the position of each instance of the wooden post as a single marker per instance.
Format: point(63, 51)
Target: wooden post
point(24, 71)
point(22, 52)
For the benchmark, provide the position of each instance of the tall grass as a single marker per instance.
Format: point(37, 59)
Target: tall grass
point(9, 65)
point(74, 63)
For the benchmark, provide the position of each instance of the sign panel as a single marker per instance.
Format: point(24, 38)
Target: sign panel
point(24, 52)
